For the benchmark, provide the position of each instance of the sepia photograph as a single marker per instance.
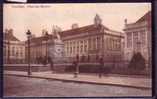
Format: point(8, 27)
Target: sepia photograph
point(77, 50)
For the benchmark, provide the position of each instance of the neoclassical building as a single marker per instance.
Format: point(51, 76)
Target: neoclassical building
point(13, 48)
point(138, 37)
point(43, 47)
point(92, 42)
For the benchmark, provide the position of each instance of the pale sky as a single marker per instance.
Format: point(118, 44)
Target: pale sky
point(38, 16)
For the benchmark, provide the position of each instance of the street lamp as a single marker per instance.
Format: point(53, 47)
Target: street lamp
point(77, 66)
point(16, 58)
point(46, 38)
point(28, 33)
point(8, 57)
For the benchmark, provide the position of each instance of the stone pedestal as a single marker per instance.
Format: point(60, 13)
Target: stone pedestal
point(56, 51)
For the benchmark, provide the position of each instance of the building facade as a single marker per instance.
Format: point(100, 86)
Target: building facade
point(13, 49)
point(138, 37)
point(44, 47)
point(92, 42)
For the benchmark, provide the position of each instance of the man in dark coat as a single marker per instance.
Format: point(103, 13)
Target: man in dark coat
point(101, 67)
point(75, 63)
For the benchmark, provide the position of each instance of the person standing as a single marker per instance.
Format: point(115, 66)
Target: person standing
point(51, 64)
point(101, 67)
point(76, 69)
point(76, 66)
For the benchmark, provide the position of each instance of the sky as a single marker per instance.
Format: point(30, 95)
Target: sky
point(21, 17)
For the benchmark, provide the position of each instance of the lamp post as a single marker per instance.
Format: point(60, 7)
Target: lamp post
point(46, 38)
point(77, 66)
point(28, 33)
point(16, 58)
point(8, 56)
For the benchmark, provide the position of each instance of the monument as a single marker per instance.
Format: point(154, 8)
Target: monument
point(56, 49)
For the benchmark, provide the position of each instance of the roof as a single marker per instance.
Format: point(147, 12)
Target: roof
point(41, 38)
point(10, 37)
point(84, 29)
point(87, 29)
point(146, 17)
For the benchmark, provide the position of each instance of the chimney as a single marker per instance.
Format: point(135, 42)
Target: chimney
point(74, 26)
point(125, 21)
point(44, 32)
point(10, 31)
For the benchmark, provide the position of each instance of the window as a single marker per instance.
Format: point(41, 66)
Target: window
point(107, 43)
point(70, 49)
point(73, 43)
point(98, 42)
point(118, 44)
point(73, 49)
point(135, 38)
point(143, 37)
point(17, 54)
point(129, 40)
point(81, 49)
point(89, 43)
point(67, 49)
point(110, 45)
point(85, 48)
point(68, 44)
point(13, 51)
point(94, 43)
point(77, 48)
point(4, 51)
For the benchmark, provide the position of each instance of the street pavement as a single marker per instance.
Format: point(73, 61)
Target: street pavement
point(18, 86)
point(126, 81)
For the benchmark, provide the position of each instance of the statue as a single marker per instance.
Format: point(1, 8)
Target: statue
point(58, 36)
point(55, 31)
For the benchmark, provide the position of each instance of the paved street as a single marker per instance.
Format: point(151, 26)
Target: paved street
point(24, 86)
point(127, 81)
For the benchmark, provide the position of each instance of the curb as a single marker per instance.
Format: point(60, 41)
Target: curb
point(86, 82)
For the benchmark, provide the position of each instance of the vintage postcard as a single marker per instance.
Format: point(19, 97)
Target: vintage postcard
point(77, 50)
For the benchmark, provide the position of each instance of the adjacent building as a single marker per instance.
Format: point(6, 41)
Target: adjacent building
point(138, 37)
point(92, 42)
point(13, 48)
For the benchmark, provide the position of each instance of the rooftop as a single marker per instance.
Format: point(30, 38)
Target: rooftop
point(10, 37)
point(146, 17)
point(85, 29)
point(41, 38)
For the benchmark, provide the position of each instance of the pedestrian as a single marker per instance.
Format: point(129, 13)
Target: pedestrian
point(101, 65)
point(76, 69)
point(51, 64)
